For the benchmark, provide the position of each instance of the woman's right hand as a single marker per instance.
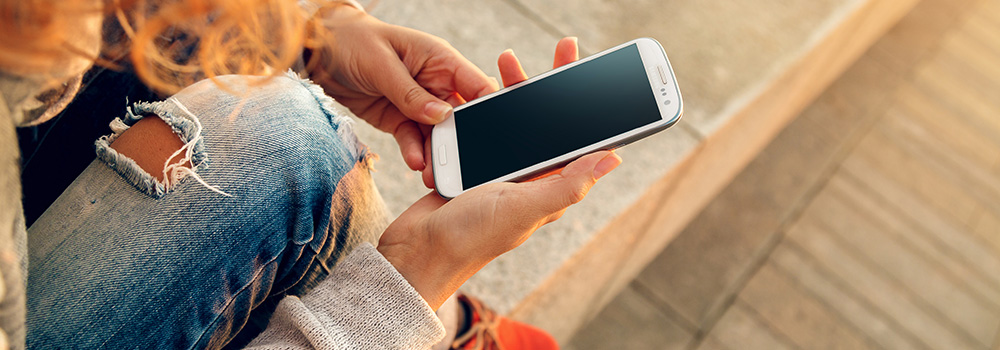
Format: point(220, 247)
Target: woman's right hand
point(437, 244)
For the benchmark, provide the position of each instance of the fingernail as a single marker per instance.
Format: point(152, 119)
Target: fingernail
point(606, 165)
point(437, 110)
point(511, 51)
point(575, 39)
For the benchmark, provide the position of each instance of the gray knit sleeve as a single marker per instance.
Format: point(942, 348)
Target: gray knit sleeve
point(364, 304)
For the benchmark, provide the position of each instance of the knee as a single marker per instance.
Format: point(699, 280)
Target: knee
point(280, 123)
point(150, 143)
point(282, 114)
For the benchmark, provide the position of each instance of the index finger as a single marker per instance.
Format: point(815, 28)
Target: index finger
point(470, 81)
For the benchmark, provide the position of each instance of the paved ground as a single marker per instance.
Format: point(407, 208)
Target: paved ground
point(872, 221)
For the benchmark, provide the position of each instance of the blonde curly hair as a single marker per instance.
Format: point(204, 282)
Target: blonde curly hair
point(170, 43)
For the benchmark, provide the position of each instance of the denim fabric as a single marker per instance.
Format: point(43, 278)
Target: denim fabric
point(122, 261)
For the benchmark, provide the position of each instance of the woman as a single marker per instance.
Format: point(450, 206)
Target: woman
point(237, 195)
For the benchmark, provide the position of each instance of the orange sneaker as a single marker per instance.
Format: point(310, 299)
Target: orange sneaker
point(489, 331)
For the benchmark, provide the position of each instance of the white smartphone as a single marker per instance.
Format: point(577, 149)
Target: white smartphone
point(604, 101)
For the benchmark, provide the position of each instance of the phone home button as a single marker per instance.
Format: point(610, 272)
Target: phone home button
point(442, 155)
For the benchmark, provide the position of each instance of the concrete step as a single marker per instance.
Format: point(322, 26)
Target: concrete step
point(745, 71)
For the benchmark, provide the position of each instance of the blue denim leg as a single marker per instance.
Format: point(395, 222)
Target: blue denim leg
point(122, 261)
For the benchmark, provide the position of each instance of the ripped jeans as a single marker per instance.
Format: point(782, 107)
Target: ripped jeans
point(121, 260)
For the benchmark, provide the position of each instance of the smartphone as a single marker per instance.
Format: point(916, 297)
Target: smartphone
point(600, 102)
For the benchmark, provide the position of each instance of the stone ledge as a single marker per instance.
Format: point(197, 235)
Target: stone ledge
point(745, 70)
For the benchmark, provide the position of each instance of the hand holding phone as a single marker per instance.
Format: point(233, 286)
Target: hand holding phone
point(438, 244)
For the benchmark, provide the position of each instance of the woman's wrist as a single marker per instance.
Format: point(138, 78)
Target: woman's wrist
point(332, 13)
point(312, 7)
point(427, 276)
point(325, 17)
point(435, 276)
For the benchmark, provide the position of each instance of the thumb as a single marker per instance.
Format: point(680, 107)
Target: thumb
point(557, 192)
point(409, 97)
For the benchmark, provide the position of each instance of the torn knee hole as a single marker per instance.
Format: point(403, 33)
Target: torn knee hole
point(150, 142)
point(154, 146)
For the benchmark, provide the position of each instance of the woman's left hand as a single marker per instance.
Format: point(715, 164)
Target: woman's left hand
point(400, 80)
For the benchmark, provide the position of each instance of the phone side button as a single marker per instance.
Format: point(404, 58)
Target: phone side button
point(442, 155)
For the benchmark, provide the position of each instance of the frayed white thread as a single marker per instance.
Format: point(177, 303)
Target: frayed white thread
point(172, 173)
point(118, 126)
point(345, 130)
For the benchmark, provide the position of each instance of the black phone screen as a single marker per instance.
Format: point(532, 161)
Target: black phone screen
point(580, 106)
